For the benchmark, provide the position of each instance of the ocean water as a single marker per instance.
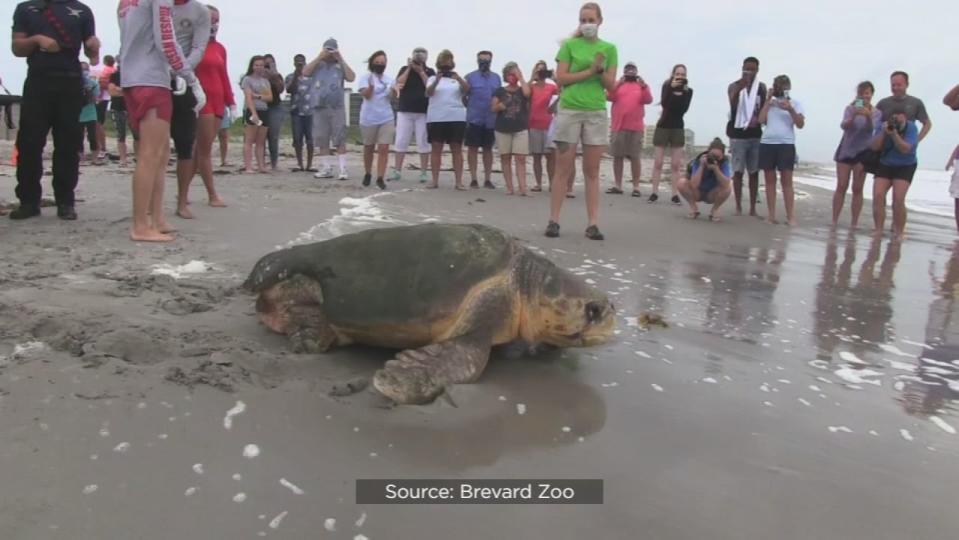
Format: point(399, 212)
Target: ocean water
point(929, 192)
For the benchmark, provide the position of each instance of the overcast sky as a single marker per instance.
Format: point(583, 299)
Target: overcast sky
point(825, 46)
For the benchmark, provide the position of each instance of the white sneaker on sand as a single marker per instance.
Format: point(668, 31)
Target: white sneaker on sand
point(325, 172)
point(343, 175)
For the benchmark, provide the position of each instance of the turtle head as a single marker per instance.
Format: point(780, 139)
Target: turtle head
point(570, 313)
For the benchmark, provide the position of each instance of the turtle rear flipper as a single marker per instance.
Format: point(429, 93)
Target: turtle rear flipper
point(418, 376)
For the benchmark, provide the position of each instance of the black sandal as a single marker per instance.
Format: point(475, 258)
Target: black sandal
point(636, 193)
point(592, 232)
point(552, 229)
point(614, 191)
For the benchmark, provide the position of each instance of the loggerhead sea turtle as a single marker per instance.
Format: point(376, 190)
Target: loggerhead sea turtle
point(442, 294)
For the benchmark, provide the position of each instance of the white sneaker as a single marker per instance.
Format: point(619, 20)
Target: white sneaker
point(343, 175)
point(325, 172)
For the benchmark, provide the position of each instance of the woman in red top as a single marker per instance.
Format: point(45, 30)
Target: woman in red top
point(213, 77)
point(542, 91)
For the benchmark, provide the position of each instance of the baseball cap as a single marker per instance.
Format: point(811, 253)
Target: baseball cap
point(331, 44)
point(630, 64)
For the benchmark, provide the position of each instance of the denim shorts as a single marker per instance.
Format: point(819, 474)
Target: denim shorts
point(302, 129)
point(745, 155)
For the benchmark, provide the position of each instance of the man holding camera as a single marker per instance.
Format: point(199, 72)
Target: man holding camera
point(50, 35)
point(911, 106)
point(707, 180)
point(480, 119)
point(896, 144)
point(629, 99)
point(746, 98)
point(328, 71)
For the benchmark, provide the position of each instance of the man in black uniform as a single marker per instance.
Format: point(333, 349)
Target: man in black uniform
point(49, 34)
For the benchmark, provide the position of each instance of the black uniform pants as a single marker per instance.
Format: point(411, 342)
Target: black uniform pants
point(49, 102)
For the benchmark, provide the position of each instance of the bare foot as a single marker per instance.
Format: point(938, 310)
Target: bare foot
point(772, 221)
point(433, 186)
point(249, 171)
point(264, 171)
point(510, 192)
point(184, 213)
point(752, 213)
point(793, 223)
point(165, 227)
point(739, 212)
point(149, 235)
point(217, 202)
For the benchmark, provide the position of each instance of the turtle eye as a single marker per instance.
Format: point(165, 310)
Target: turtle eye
point(594, 312)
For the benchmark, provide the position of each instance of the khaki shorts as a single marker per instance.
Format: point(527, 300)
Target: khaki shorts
point(513, 143)
point(539, 142)
point(329, 128)
point(591, 128)
point(669, 138)
point(626, 144)
point(381, 134)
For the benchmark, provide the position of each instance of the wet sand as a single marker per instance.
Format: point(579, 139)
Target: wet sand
point(806, 387)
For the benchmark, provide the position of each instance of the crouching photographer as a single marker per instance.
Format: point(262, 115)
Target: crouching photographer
point(708, 180)
point(896, 143)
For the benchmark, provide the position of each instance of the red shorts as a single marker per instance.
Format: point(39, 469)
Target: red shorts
point(215, 105)
point(140, 99)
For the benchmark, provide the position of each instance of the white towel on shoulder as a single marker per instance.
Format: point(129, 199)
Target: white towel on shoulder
point(747, 104)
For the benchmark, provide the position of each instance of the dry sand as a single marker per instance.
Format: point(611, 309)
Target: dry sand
point(806, 387)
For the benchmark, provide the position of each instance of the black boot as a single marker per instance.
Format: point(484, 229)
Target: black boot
point(25, 211)
point(67, 212)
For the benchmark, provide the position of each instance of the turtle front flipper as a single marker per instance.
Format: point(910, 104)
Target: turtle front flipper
point(418, 376)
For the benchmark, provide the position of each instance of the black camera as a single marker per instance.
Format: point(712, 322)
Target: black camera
point(711, 160)
point(894, 125)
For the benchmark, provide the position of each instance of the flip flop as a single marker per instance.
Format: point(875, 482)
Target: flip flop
point(537, 188)
point(614, 191)
point(692, 215)
point(570, 196)
point(636, 193)
point(713, 217)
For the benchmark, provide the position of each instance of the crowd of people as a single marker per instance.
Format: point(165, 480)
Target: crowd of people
point(170, 80)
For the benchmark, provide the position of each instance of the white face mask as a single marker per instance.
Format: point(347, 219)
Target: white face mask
point(589, 30)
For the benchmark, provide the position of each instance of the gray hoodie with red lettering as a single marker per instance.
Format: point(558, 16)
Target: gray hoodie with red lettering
point(149, 52)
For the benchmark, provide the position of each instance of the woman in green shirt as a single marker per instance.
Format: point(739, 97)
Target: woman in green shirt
point(586, 69)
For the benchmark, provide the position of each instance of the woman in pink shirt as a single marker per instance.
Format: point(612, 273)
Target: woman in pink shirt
point(629, 99)
point(542, 91)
